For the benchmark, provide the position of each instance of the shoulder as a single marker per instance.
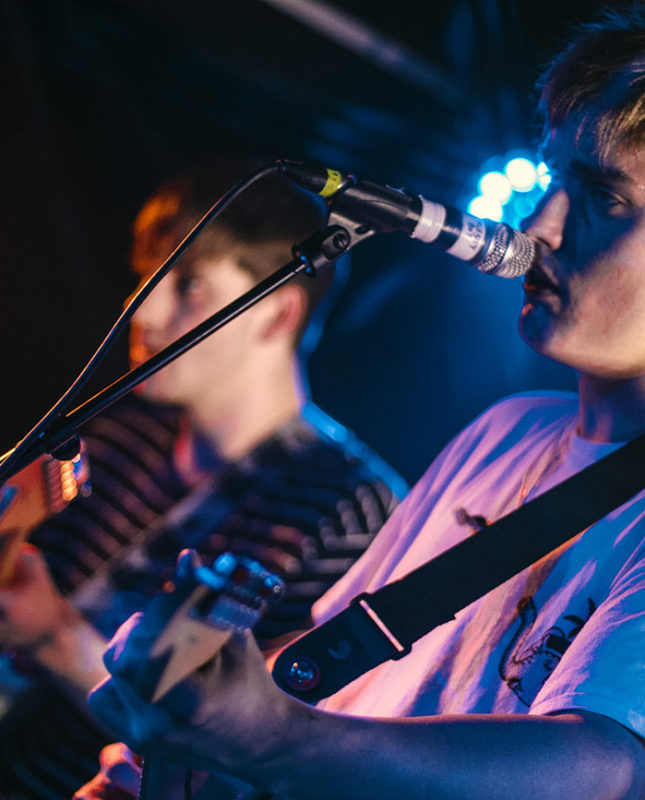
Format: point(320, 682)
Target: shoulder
point(502, 434)
point(524, 416)
point(527, 409)
point(134, 427)
point(322, 440)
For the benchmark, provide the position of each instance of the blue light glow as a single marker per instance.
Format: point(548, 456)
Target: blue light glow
point(543, 176)
point(496, 185)
point(510, 193)
point(486, 207)
point(522, 174)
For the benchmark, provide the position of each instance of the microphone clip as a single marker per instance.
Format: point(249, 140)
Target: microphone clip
point(322, 248)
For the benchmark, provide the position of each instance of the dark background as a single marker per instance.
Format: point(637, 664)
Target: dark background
point(104, 99)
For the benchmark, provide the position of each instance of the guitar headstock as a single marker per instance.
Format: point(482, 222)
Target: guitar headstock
point(38, 491)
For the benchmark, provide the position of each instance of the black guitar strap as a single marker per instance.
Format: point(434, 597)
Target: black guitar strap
point(383, 625)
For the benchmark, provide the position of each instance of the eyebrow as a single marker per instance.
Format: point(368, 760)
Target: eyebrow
point(596, 172)
point(587, 171)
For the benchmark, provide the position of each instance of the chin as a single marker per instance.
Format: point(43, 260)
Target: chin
point(154, 393)
point(536, 327)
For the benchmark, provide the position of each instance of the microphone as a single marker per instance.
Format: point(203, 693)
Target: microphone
point(492, 247)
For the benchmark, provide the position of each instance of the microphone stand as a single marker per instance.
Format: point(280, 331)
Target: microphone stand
point(61, 438)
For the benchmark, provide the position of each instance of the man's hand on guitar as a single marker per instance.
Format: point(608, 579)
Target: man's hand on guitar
point(227, 716)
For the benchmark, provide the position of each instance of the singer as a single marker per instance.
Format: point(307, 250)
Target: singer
point(538, 688)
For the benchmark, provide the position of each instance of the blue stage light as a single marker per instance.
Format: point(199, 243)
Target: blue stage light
point(543, 176)
point(486, 207)
point(510, 193)
point(522, 174)
point(496, 185)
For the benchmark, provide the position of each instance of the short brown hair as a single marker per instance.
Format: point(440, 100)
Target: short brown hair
point(598, 80)
point(258, 229)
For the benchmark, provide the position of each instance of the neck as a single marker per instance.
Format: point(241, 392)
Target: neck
point(253, 415)
point(611, 411)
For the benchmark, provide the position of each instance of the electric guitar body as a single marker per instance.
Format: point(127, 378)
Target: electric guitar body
point(211, 604)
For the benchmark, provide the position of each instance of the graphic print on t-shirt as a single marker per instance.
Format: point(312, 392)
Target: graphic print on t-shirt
point(527, 664)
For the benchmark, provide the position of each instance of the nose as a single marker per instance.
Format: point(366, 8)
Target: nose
point(156, 311)
point(547, 223)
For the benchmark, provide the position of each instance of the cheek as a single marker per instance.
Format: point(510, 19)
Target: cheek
point(226, 348)
point(188, 316)
point(197, 311)
point(605, 332)
point(611, 302)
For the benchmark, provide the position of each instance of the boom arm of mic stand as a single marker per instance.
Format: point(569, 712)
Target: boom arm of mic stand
point(316, 252)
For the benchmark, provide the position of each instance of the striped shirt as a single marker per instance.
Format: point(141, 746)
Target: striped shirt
point(306, 503)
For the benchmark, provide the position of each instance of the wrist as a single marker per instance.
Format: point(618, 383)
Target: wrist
point(72, 649)
point(273, 762)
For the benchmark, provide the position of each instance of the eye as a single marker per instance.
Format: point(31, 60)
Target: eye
point(605, 198)
point(187, 285)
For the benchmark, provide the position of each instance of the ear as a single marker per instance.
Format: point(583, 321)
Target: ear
point(289, 310)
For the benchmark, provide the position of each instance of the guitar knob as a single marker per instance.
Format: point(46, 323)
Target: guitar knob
point(272, 587)
point(302, 674)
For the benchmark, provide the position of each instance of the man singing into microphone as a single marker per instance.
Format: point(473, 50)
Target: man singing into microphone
point(536, 689)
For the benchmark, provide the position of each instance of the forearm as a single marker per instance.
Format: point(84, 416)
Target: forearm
point(230, 717)
point(473, 757)
point(73, 651)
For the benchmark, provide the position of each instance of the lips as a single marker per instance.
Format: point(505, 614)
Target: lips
point(538, 279)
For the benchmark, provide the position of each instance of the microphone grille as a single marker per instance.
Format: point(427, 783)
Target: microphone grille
point(510, 253)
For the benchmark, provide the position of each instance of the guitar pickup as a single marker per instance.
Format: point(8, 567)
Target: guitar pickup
point(241, 589)
point(226, 597)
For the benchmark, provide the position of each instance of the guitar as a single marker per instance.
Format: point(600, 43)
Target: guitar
point(38, 491)
point(210, 604)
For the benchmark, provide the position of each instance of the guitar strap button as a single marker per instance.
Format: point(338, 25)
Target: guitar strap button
point(302, 674)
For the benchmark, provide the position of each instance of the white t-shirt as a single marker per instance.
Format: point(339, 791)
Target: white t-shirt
point(566, 633)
